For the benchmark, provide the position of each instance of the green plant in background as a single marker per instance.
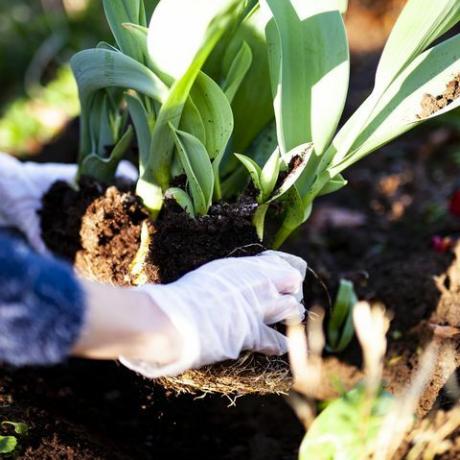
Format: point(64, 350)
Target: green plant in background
point(28, 123)
point(348, 427)
point(8, 444)
point(200, 96)
point(340, 328)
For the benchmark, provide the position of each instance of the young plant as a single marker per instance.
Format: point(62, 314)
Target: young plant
point(340, 329)
point(209, 79)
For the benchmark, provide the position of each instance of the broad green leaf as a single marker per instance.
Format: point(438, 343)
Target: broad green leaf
point(157, 173)
point(254, 171)
point(97, 69)
point(7, 444)
point(399, 108)
point(179, 28)
point(252, 110)
point(192, 122)
point(270, 173)
point(344, 430)
point(419, 25)
point(143, 124)
point(333, 185)
point(340, 328)
point(300, 155)
point(198, 168)
point(104, 169)
point(216, 113)
point(238, 70)
point(139, 36)
point(118, 12)
point(309, 67)
point(182, 198)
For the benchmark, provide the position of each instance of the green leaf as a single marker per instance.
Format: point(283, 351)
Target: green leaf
point(309, 67)
point(344, 431)
point(8, 444)
point(398, 109)
point(98, 69)
point(301, 154)
point(216, 113)
point(175, 39)
point(19, 427)
point(254, 171)
point(296, 213)
point(238, 70)
point(143, 123)
point(270, 173)
point(192, 122)
point(139, 36)
point(340, 328)
point(198, 168)
point(157, 172)
point(182, 198)
point(252, 110)
point(259, 220)
point(217, 117)
point(333, 185)
point(406, 42)
point(104, 169)
point(118, 12)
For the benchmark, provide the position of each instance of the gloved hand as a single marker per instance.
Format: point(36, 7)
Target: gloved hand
point(22, 186)
point(227, 306)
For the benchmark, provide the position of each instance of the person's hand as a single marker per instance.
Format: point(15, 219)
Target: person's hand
point(22, 186)
point(223, 308)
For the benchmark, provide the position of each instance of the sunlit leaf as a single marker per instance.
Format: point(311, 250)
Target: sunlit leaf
point(309, 66)
point(344, 430)
point(179, 28)
point(399, 109)
point(8, 444)
point(419, 25)
point(157, 172)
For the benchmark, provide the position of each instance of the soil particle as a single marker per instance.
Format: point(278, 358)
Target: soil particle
point(432, 104)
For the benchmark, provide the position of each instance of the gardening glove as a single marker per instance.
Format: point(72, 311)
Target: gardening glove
point(22, 186)
point(227, 306)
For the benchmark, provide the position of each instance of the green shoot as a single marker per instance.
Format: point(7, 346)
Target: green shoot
point(340, 329)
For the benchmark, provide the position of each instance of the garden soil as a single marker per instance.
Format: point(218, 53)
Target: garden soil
point(389, 231)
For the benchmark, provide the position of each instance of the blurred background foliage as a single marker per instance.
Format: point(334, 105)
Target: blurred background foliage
point(38, 95)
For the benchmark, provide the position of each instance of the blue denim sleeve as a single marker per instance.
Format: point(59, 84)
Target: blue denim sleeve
point(41, 306)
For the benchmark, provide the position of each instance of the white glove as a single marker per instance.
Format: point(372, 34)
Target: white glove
point(22, 186)
point(225, 307)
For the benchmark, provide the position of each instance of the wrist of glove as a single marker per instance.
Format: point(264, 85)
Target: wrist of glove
point(226, 307)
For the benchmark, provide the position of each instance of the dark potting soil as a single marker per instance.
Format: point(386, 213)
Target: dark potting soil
point(98, 229)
